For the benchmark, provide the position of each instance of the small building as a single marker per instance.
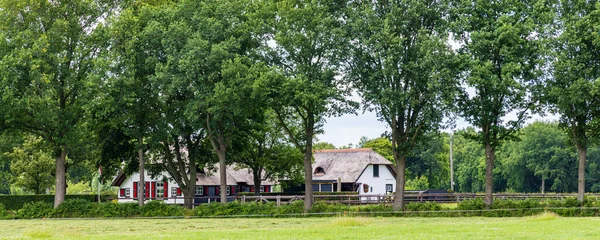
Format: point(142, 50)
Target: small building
point(358, 170)
point(161, 187)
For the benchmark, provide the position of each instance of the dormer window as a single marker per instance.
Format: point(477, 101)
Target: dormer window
point(319, 171)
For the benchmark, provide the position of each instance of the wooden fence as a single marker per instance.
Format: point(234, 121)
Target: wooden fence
point(382, 198)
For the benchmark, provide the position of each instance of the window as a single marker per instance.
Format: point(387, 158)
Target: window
point(366, 188)
point(389, 188)
point(127, 192)
point(124, 192)
point(316, 188)
point(245, 188)
point(375, 170)
point(160, 189)
point(174, 191)
point(199, 191)
point(228, 190)
point(319, 171)
point(326, 187)
point(262, 188)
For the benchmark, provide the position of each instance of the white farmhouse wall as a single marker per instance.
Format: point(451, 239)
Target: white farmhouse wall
point(135, 177)
point(377, 184)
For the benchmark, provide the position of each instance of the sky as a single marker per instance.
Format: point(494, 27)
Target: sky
point(349, 128)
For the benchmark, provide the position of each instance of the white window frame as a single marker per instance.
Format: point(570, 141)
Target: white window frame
point(228, 190)
point(199, 191)
point(174, 191)
point(127, 192)
point(262, 188)
point(160, 186)
point(391, 187)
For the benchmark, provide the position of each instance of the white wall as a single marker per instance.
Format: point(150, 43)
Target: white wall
point(128, 183)
point(376, 183)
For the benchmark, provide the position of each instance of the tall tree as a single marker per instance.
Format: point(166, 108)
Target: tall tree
point(403, 68)
point(209, 73)
point(268, 154)
point(574, 89)
point(128, 96)
point(47, 49)
point(305, 46)
point(501, 56)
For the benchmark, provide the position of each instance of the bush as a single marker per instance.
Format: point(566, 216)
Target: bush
point(16, 202)
point(73, 208)
point(160, 209)
point(35, 210)
point(475, 204)
point(2, 211)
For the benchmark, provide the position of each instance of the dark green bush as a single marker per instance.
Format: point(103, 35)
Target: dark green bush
point(35, 210)
point(474, 204)
point(73, 208)
point(160, 209)
point(2, 211)
point(16, 202)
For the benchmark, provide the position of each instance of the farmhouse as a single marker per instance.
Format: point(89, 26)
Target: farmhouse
point(361, 170)
point(162, 187)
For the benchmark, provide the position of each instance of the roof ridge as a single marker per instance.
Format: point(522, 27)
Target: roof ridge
point(345, 150)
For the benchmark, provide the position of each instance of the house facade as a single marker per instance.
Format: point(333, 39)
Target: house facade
point(161, 187)
point(360, 170)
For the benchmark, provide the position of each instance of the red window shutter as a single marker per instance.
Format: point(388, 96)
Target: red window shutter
point(218, 191)
point(266, 188)
point(153, 189)
point(122, 192)
point(178, 191)
point(166, 189)
point(232, 190)
point(205, 191)
point(135, 189)
point(147, 187)
point(251, 188)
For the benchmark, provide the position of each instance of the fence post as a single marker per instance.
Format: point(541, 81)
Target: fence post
point(278, 200)
point(244, 199)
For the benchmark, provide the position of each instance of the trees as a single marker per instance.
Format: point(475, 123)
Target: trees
point(574, 89)
point(47, 53)
point(403, 68)
point(128, 97)
point(268, 154)
point(307, 39)
point(502, 56)
point(31, 165)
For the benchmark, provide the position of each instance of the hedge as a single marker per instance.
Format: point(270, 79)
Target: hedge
point(82, 208)
point(15, 202)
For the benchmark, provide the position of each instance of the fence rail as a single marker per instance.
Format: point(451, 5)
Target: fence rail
point(384, 198)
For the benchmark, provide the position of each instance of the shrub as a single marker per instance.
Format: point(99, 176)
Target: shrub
point(475, 204)
point(35, 210)
point(160, 209)
point(73, 208)
point(2, 211)
point(16, 202)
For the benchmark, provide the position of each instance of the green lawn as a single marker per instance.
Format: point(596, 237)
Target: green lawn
point(545, 227)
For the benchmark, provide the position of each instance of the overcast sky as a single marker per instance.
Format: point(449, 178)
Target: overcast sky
point(349, 128)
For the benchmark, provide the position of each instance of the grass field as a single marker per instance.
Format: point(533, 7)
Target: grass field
point(538, 227)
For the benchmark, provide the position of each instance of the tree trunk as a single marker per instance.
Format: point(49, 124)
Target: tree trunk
point(256, 176)
point(543, 183)
point(400, 182)
point(190, 191)
point(142, 183)
point(61, 183)
point(223, 175)
point(490, 155)
point(581, 151)
point(308, 191)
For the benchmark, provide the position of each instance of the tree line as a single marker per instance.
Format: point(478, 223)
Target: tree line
point(183, 84)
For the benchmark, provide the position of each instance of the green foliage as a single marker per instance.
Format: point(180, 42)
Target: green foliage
point(32, 166)
point(73, 208)
point(15, 202)
point(159, 208)
point(420, 183)
point(323, 146)
point(35, 210)
point(2, 211)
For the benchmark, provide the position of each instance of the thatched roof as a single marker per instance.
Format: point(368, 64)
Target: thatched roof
point(235, 175)
point(347, 164)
